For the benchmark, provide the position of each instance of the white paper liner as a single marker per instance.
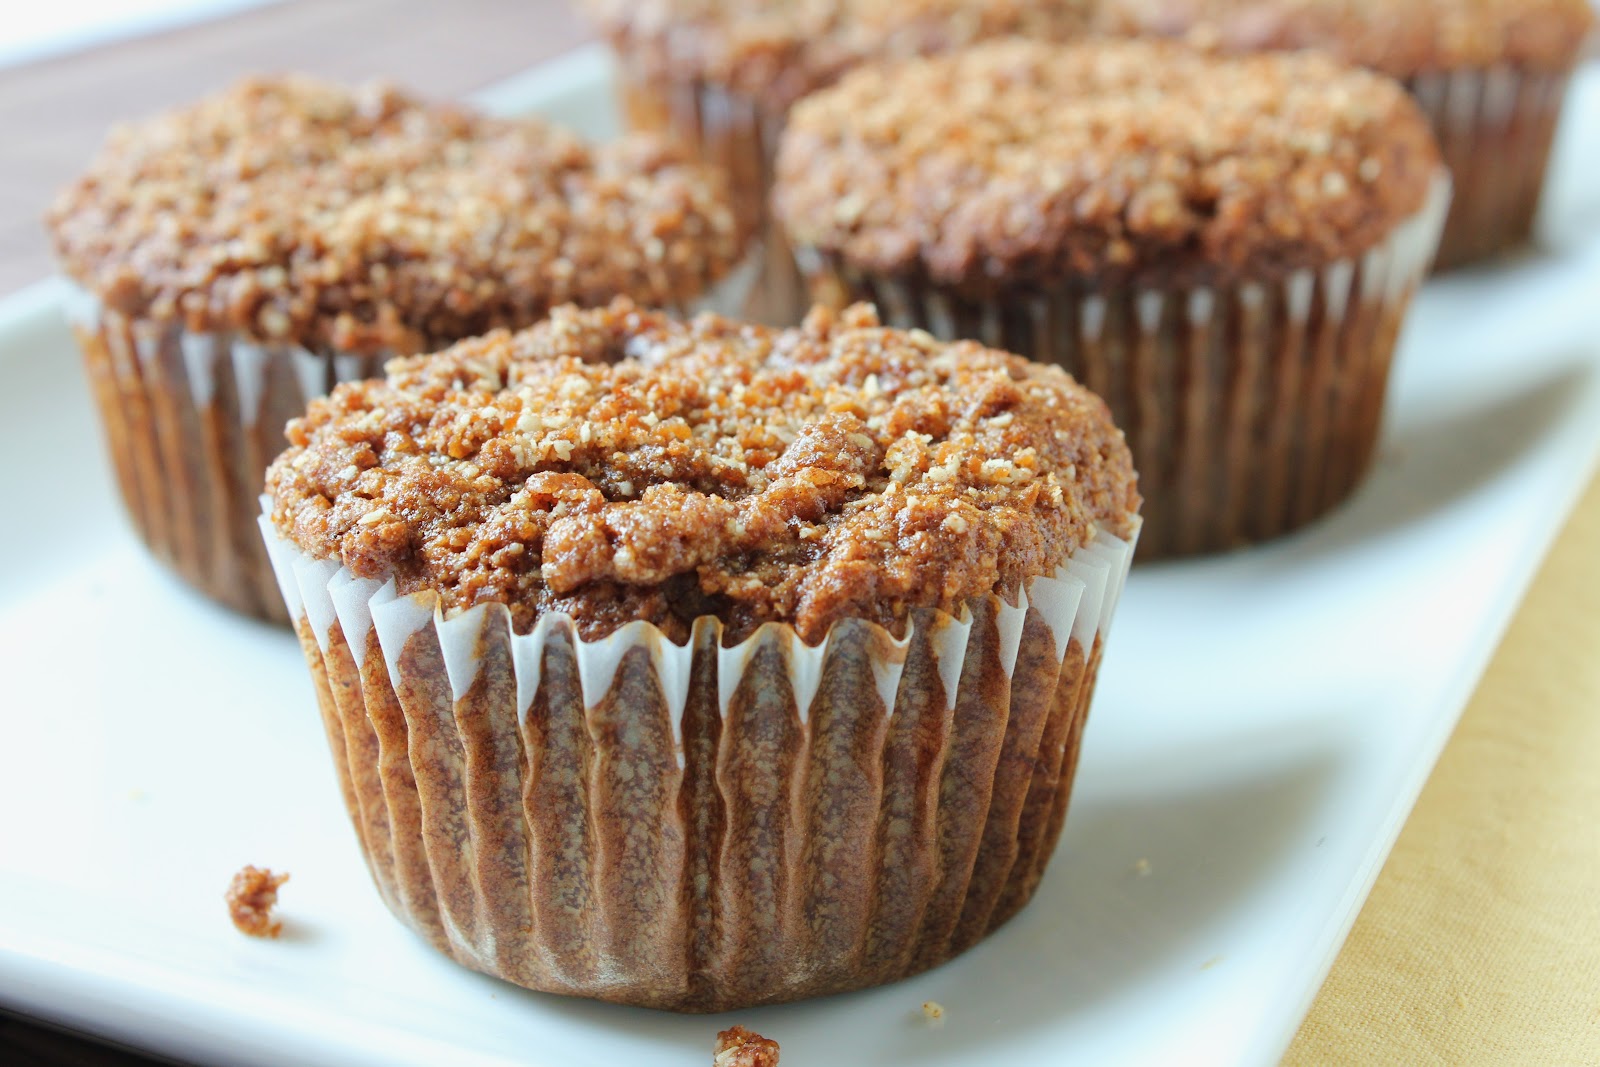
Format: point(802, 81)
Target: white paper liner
point(1495, 128)
point(194, 419)
point(523, 806)
point(250, 362)
point(1250, 409)
point(317, 373)
point(1076, 603)
point(731, 294)
point(740, 135)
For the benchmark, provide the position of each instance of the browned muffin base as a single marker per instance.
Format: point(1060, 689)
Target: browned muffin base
point(190, 475)
point(1495, 131)
point(567, 851)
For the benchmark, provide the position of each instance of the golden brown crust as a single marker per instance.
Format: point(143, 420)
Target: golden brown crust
point(738, 1047)
point(1019, 160)
point(1402, 38)
point(363, 220)
point(778, 50)
point(251, 896)
point(618, 465)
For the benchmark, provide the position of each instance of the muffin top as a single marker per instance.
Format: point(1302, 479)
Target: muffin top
point(779, 50)
point(1399, 37)
point(619, 464)
point(1026, 161)
point(365, 220)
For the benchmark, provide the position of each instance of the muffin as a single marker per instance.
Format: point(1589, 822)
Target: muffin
point(1490, 75)
point(236, 258)
point(698, 665)
point(722, 74)
point(1222, 249)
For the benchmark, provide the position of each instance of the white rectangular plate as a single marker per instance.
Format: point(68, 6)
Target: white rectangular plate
point(1264, 725)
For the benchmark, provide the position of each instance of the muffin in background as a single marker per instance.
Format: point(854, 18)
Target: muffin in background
point(722, 74)
point(697, 665)
point(1491, 75)
point(1224, 249)
point(237, 258)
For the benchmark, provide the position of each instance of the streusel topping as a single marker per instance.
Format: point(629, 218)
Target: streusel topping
point(365, 220)
point(1024, 160)
point(779, 50)
point(619, 464)
point(1399, 37)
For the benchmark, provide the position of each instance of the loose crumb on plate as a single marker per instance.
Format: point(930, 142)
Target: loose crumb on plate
point(933, 1011)
point(738, 1047)
point(1141, 869)
point(251, 897)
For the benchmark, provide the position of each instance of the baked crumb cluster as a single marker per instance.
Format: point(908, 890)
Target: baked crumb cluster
point(1021, 159)
point(738, 1047)
point(251, 896)
point(778, 50)
point(1400, 37)
point(618, 464)
point(366, 221)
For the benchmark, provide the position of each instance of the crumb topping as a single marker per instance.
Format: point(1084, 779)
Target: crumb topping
point(251, 896)
point(1025, 160)
point(779, 50)
point(1399, 37)
point(365, 220)
point(738, 1047)
point(618, 464)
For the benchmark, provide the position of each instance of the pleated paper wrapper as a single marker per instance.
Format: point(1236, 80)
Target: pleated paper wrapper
point(739, 134)
point(1495, 128)
point(1251, 409)
point(695, 827)
point(192, 421)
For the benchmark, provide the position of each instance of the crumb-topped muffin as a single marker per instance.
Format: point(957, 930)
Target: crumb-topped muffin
point(722, 74)
point(1074, 202)
point(1490, 75)
point(750, 546)
point(1400, 40)
point(240, 255)
point(621, 467)
point(779, 50)
point(1023, 162)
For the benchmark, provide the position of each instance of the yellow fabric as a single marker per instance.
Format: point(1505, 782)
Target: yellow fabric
point(1481, 942)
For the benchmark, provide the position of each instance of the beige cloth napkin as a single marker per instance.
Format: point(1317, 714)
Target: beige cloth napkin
point(1480, 943)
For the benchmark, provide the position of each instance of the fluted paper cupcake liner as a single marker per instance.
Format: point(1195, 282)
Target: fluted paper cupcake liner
point(1495, 127)
point(191, 422)
point(699, 827)
point(740, 135)
point(193, 419)
point(1250, 409)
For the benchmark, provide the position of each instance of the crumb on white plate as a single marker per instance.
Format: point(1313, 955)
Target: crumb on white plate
point(738, 1047)
point(251, 897)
